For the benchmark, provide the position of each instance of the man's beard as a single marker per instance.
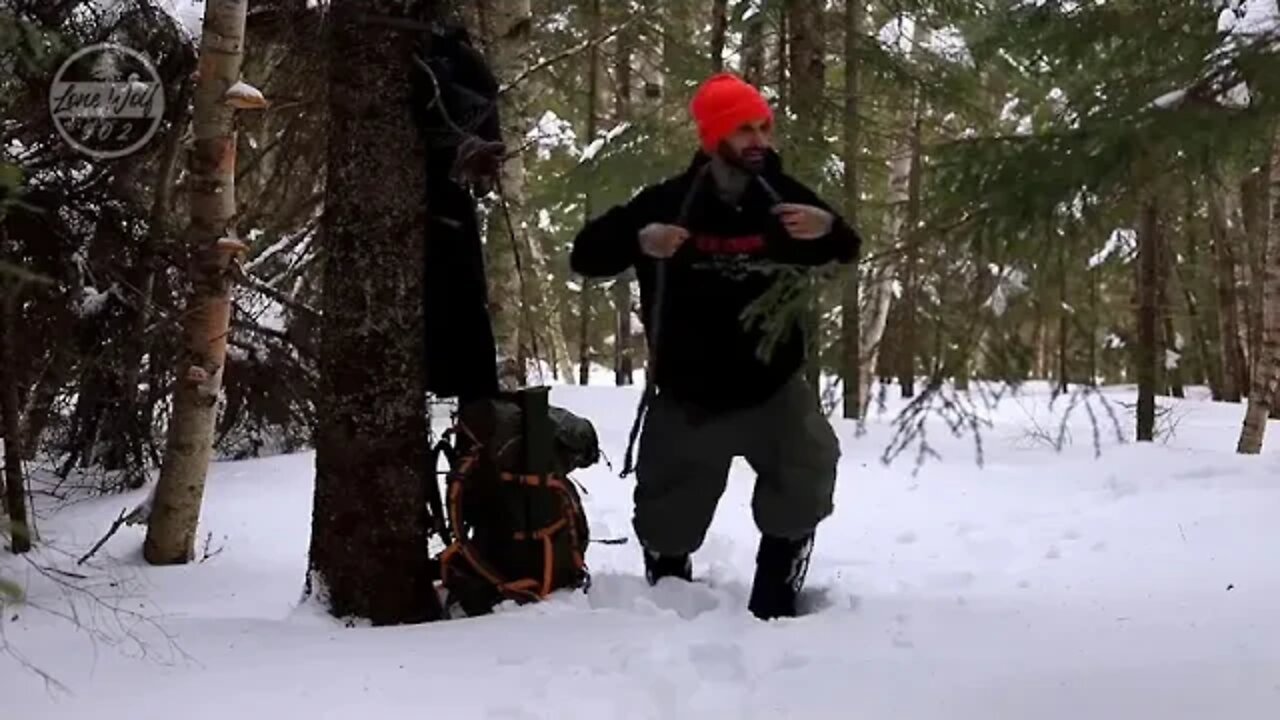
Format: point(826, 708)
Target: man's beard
point(751, 159)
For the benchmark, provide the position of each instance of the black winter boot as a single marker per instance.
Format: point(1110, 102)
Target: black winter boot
point(658, 566)
point(781, 565)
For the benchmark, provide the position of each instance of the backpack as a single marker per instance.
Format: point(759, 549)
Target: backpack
point(511, 517)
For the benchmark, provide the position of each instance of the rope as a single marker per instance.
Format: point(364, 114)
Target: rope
point(655, 326)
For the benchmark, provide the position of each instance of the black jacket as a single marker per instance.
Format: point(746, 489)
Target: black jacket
point(707, 356)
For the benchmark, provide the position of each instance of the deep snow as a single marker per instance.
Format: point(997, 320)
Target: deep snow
point(1141, 584)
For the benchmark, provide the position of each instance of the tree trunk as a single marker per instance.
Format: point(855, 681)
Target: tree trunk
point(753, 47)
point(1253, 209)
point(808, 90)
point(557, 344)
point(1192, 281)
point(1263, 392)
point(719, 28)
point(911, 279)
point(535, 321)
point(1094, 324)
point(1233, 369)
point(1148, 270)
point(135, 417)
point(40, 401)
point(1172, 354)
point(623, 363)
point(368, 554)
point(179, 492)
point(506, 26)
point(899, 229)
point(15, 486)
point(874, 320)
point(1039, 342)
point(1064, 319)
point(586, 298)
point(850, 316)
point(783, 57)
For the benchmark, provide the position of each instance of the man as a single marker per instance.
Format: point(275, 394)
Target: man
point(717, 397)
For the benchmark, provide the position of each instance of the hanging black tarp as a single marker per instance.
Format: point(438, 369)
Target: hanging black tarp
point(458, 113)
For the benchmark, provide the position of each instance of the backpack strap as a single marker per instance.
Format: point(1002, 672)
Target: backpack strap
point(435, 502)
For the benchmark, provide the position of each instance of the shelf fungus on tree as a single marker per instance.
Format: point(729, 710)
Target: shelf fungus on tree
point(243, 96)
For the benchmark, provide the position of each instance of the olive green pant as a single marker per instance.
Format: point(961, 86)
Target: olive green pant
point(683, 467)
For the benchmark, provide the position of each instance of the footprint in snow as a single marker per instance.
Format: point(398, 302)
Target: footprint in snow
point(791, 661)
point(816, 599)
point(719, 662)
point(1071, 535)
point(611, 591)
point(907, 538)
point(1054, 553)
point(953, 580)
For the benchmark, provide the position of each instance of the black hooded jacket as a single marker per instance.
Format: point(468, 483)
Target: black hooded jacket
point(708, 355)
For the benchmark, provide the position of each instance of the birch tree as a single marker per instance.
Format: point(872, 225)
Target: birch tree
point(506, 25)
point(850, 338)
point(213, 246)
point(1263, 391)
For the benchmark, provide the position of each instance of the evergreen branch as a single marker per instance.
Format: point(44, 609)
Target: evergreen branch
point(570, 52)
point(21, 274)
point(259, 286)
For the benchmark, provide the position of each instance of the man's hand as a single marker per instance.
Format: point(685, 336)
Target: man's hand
point(662, 241)
point(804, 222)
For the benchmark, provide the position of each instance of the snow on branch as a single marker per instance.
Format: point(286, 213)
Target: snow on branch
point(1244, 25)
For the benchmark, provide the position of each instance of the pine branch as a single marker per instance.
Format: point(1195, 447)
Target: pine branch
point(570, 52)
point(21, 274)
point(259, 286)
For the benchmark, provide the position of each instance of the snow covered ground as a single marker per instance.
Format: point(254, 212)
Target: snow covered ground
point(1142, 584)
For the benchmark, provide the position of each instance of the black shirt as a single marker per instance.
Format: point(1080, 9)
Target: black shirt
point(709, 354)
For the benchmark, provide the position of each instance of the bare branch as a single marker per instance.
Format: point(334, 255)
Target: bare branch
point(119, 522)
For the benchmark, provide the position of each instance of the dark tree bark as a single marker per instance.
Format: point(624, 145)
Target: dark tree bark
point(851, 316)
point(1253, 210)
point(1094, 323)
point(586, 301)
point(15, 486)
point(623, 362)
point(911, 261)
point(1148, 313)
point(719, 28)
point(807, 90)
point(1234, 376)
point(1191, 278)
point(1064, 319)
point(369, 556)
point(1171, 377)
point(753, 48)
